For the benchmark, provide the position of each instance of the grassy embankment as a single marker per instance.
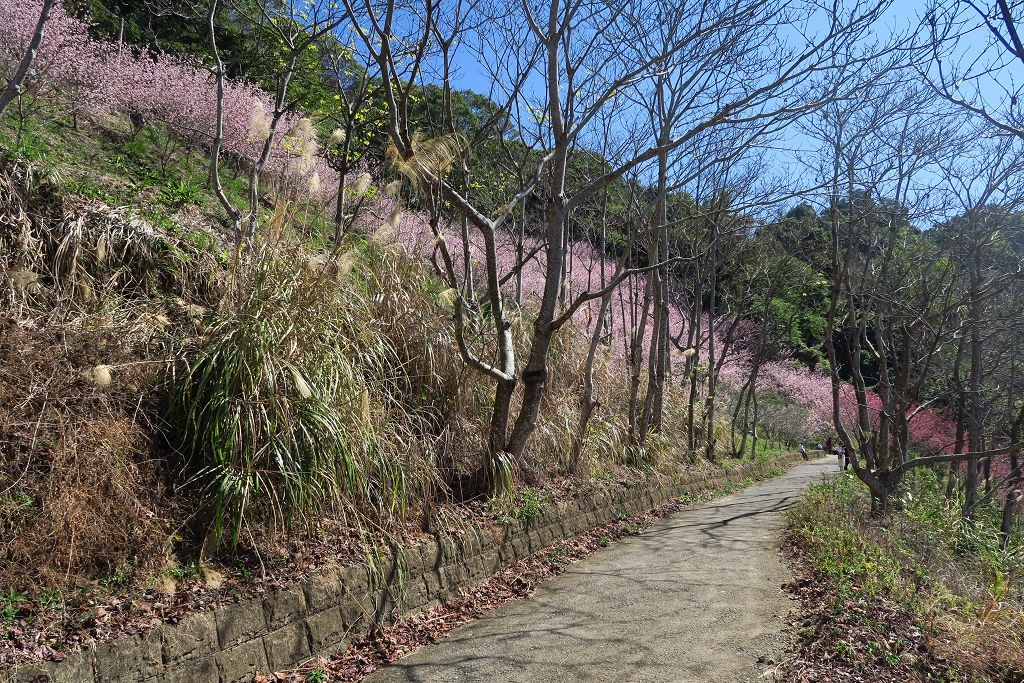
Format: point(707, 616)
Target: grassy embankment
point(921, 595)
point(304, 404)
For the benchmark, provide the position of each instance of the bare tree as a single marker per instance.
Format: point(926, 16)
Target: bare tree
point(894, 293)
point(578, 57)
point(297, 26)
point(983, 235)
point(973, 50)
point(356, 118)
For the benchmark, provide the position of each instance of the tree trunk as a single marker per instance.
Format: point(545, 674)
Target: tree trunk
point(1015, 494)
point(636, 435)
point(974, 422)
point(339, 207)
point(497, 435)
point(13, 88)
point(709, 403)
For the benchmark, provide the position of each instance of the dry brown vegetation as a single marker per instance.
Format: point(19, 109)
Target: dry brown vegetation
point(83, 490)
point(93, 480)
point(84, 493)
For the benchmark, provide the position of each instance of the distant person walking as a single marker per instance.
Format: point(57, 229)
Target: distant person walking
point(837, 451)
point(803, 452)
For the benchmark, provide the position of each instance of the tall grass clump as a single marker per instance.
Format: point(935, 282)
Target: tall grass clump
point(277, 414)
point(55, 249)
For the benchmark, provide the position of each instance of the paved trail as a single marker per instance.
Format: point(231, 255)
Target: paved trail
point(695, 599)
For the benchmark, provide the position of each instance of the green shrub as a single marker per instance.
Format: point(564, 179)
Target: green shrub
point(288, 406)
point(826, 519)
point(177, 194)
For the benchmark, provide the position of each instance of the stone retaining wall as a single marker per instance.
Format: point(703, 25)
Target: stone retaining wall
point(323, 614)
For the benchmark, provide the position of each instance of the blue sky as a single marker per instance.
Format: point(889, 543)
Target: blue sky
point(902, 18)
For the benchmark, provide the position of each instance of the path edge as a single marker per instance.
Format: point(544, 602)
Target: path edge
point(322, 615)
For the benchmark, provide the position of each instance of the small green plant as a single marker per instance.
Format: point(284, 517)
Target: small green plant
point(159, 218)
point(180, 193)
point(529, 504)
point(201, 240)
point(32, 148)
point(16, 500)
point(10, 601)
point(317, 675)
point(688, 498)
point(120, 164)
point(879, 652)
point(88, 188)
point(51, 598)
point(184, 572)
point(134, 147)
point(533, 501)
point(117, 581)
point(843, 649)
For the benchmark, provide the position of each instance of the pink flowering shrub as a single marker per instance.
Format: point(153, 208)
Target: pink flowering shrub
point(588, 270)
point(97, 76)
point(68, 58)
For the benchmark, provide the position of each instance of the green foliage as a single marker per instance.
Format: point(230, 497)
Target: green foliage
point(51, 598)
point(852, 564)
point(25, 139)
point(276, 413)
point(943, 573)
point(180, 193)
point(317, 675)
point(185, 572)
point(118, 581)
point(941, 523)
point(10, 605)
point(255, 410)
point(524, 506)
point(927, 545)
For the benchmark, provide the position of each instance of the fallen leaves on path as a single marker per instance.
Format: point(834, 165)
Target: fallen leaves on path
point(517, 581)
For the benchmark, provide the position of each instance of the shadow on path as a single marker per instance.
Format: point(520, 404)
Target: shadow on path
point(697, 598)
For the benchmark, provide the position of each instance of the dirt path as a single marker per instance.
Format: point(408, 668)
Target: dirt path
point(697, 598)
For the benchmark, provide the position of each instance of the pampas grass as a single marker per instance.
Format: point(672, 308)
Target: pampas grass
point(86, 252)
point(259, 126)
point(361, 184)
point(294, 404)
point(302, 144)
point(99, 375)
point(429, 158)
